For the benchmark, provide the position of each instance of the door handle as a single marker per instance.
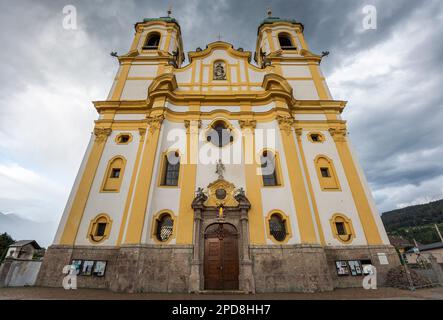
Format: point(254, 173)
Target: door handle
point(221, 268)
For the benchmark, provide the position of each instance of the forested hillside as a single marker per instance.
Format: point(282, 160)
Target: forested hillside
point(416, 222)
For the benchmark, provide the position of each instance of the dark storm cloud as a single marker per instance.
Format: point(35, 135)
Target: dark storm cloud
point(392, 78)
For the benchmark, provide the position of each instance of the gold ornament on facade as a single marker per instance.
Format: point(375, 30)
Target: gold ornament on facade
point(101, 134)
point(221, 194)
point(195, 128)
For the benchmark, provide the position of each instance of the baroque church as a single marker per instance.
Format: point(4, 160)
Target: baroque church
point(222, 174)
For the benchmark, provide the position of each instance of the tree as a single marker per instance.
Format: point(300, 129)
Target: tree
point(5, 241)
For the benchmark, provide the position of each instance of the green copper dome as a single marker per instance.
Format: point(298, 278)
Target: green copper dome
point(271, 20)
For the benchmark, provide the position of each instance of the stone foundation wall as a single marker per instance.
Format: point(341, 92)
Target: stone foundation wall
point(360, 253)
point(153, 268)
point(142, 268)
point(290, 268)
point(167, 268)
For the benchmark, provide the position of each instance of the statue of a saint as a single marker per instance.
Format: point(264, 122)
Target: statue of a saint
point(220, 169)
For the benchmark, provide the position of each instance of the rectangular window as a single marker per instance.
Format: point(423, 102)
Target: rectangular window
point(269, 178)
point(341, 229)
point(101, 227)
point(325, 172)
point(171, 173)
point(115, 173)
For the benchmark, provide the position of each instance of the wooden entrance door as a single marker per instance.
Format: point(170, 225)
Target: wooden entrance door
point(221, 258)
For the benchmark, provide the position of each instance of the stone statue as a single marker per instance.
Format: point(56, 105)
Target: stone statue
point(219, 71)
point(220, 169)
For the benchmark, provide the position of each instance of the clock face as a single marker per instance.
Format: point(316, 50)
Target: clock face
point(220, 194)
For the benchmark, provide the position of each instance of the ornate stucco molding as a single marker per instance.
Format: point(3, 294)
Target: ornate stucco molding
point(285, 123)
point(190, 128)
point(338, 134)
point(101, 134)
point(248, 124)
point(142, 132)
point(155, 122)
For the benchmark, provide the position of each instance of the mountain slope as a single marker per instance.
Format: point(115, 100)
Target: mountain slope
point(24, 229)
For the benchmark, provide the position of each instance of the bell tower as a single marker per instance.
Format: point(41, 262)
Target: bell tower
point(281, 44)
point(157, 47)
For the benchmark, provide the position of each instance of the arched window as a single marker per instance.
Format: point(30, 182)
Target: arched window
point(326, 174)
point(219, 134)
point(99, 228)
point(152, 41)
point(277, 227)
point(164, 227)
point(171, 169)
point(269, 169)
point(114, 175)
point(342, 228)
point(285, 42)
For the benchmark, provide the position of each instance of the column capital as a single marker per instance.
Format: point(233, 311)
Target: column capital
point(191, 128)
point(101, 134)
point(298, 133)
point(338, 134)
point(285, 123)
point(155, 122)
point(142, 132)
point(248, 124)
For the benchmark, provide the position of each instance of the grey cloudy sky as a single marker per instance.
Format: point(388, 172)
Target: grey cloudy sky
point(392, 78)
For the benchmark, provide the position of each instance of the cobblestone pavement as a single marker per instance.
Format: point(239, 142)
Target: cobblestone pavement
point(37, 293)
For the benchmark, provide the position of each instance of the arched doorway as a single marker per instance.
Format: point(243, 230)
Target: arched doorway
point(221, 257)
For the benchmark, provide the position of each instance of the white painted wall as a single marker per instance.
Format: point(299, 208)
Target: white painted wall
point(109, 203)
point(330, 203)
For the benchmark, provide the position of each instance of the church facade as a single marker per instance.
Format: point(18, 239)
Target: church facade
point(219, 175)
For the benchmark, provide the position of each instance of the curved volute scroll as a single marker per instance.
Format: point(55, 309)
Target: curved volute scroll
point(164, 82)
point(279, 86)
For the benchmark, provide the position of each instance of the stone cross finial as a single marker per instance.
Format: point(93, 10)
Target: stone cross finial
point(169, 11)
point(269, 12)
point(220, 169)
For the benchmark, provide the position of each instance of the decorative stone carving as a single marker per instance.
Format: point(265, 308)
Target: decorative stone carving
point(192, 128)
point(228, 200)
point(155, 122)
point(298, 133)
point(219, 70)
point(285, 123)
point(101, 134)
point(142, 132)
point(338, 134)
point(248, 124)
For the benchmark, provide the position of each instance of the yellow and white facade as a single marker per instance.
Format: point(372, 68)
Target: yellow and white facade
point(290, 231)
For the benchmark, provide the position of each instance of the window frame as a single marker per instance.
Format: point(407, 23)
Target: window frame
point(163, 170)
point(120, 135)
point(347, 238)
point(228, 126)
point(277, 172)
point(148, 37)
point(289, 37)
point(93, 228)
point(287, 223)
point(157, 217)
point(330, 183)
point(115, 183)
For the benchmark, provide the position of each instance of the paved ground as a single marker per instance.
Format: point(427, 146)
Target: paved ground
point(36, 293)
